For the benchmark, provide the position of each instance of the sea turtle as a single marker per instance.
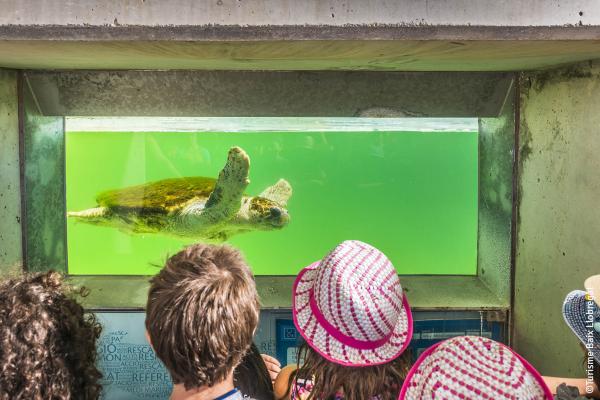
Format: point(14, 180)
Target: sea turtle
point(195, 207)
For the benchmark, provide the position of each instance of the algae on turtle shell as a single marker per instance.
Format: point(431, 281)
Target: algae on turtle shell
point(162, 196)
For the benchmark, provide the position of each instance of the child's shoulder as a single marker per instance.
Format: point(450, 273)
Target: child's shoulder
point(281, 386)
point(287, 387)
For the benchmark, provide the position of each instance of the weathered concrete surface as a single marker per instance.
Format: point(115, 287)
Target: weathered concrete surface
point(424, 292)
point(558, 245)
point(268, 94)
point(10, 197)
point(307, 12)
point(296, 54)
point(496, 162)
point(401, 35)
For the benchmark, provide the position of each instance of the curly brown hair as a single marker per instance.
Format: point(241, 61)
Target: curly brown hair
point(201, 314)
point(47, 343)
point(382, 382)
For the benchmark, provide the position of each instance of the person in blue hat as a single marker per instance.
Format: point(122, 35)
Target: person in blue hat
point(581, 311)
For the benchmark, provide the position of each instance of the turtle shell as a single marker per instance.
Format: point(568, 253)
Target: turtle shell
point(160, 197)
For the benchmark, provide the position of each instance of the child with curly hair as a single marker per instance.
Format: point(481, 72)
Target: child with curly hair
point(47, 342)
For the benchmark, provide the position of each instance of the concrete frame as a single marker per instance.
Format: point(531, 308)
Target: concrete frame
point(426, 52)
point(268, 93)
point(401, 35)
point(53, 95)
point(10, 197)
point(558, 215)
point(309, 13)
point(465, 35)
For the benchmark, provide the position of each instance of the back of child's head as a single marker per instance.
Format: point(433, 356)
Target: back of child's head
point(473, 368)
point(47, 343)
point(354, 316)
point(201, 314)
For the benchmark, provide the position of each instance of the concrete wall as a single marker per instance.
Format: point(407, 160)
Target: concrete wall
point(306, 12)
point(268, 94)
point(559, 210)
point(496, 164)
point(385, 35)
point(10, 199)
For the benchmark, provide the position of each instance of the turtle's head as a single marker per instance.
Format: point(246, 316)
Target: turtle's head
point(268, 210)
point(265, 214)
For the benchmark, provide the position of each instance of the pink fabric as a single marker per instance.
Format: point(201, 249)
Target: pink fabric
point(347, 340)
point(305, 386)
point(350, 306)
point(536, 375)
point(478, 366)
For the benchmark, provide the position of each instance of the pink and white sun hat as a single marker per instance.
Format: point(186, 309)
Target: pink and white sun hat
point(473, 368)
point(350, 307)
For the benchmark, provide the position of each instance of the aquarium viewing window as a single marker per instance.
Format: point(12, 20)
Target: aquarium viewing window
point(421, 165)
point(408, 186)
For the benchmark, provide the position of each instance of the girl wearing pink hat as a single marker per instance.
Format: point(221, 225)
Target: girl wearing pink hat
point(356, 322)
point(473, 368)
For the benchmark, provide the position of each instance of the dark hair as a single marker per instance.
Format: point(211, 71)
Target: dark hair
point(47, 343)
point(252, 376)
point(356, 383)
point(201, 314)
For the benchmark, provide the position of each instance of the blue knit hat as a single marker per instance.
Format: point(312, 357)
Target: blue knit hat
point(582, 315)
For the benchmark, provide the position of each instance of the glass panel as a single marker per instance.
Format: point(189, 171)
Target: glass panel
point(44, 184)
point(407, 186)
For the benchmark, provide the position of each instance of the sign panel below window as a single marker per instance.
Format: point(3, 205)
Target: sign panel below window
point(130, 368)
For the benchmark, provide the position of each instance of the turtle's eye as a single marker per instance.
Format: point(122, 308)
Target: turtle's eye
point(275, 212)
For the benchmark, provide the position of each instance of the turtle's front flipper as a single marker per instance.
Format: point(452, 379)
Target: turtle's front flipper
point(279, 192)
point(226, 198)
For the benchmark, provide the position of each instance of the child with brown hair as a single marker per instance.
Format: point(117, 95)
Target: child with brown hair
point(201, 315)
point(354, 317)
point(47, 343)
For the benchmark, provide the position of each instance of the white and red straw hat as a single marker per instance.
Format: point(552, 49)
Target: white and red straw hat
point(350, 307)
point(473, 368)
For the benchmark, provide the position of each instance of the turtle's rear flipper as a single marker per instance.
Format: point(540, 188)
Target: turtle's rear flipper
point(95, 215)
point(226, 198)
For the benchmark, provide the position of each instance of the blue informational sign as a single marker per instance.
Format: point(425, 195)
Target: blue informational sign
point(287, 340)
point(133, 372)
point(430, 327)
point(130, 367)
point(428, 332)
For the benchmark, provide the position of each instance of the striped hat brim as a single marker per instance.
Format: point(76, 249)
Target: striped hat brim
point(318, 336)
point(459, 368)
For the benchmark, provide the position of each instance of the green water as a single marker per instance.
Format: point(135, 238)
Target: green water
point(411, 194)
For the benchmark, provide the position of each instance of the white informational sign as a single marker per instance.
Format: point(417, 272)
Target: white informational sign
point(131, 369)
